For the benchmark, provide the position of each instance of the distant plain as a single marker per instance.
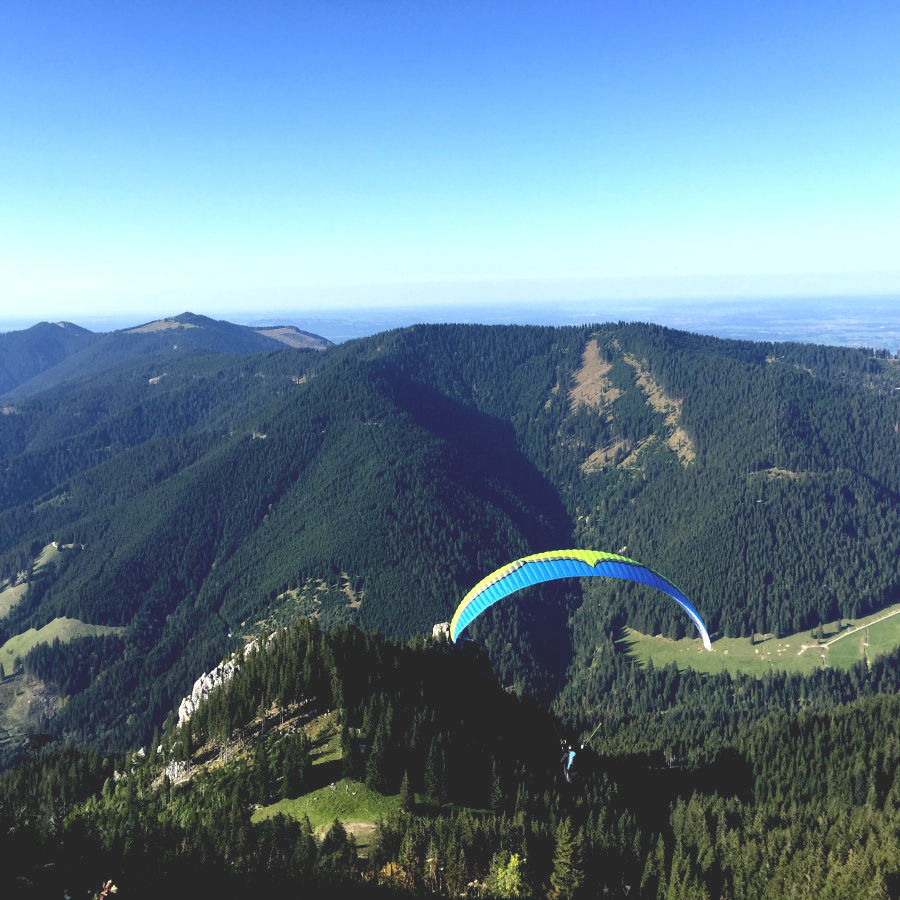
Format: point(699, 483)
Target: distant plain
point(847, 321)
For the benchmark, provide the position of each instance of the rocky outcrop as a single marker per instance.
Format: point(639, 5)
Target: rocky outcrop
point(203, 685)
point(177, 771)
point(219, 675)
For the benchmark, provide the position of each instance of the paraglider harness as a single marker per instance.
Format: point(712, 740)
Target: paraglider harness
point(570, 767)
point(570, 770)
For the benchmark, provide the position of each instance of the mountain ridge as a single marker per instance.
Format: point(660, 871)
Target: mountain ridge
point(85, 356)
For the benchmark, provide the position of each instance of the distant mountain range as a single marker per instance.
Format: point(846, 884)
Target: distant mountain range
point(48, 355)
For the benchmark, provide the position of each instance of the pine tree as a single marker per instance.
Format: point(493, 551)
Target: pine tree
point(406, 795)
point(496, 798)
point(436, 772)
point(376, 777)
point(295, 765)
point(568, 872)
point(654, 870)
point(303, 857)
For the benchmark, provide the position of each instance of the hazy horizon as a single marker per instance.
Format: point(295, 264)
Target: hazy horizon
point(862, 321)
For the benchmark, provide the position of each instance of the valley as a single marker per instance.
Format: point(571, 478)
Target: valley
point(332, 505)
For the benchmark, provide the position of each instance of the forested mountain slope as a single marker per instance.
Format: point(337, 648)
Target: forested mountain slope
point(209, 490)
point(24, 354)
point(791, 800)
point(165, 340)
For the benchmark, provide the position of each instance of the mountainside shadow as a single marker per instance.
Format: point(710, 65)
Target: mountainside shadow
point(528, 638)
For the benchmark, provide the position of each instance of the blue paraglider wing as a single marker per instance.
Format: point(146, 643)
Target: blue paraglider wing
point(564, 564)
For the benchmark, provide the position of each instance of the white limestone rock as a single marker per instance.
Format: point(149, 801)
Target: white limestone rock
point(219, 675)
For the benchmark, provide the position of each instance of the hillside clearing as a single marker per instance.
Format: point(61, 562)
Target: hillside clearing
point(10, 595)
point(678, 440)
point(160, 325)
point(331, 602)
point(592, 387)
point(860, 639)
point(355, 805)
point(325, 734)
point(292, 337)
point(11, 592)
point(64, 629)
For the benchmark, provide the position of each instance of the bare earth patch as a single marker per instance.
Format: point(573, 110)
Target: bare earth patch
point(594, 390)
point(159, 325)
point(679, 440)
point(775, 472)
point(25, 703)
point(354, 600)
point(604, 457)
point(291, 337)
point(362, 831)
point(632, 459)
point(592, 387)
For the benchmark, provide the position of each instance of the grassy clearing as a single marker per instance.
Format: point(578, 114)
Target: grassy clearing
point(869, 641)
point(49, 556)
point(160, 325)
point(326, 739)
point(863, 638)
point(350, 801)
point(10, 595)
point(11, 592)
point(62, 628)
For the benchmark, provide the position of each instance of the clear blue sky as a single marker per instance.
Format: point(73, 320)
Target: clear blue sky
point(215, 155)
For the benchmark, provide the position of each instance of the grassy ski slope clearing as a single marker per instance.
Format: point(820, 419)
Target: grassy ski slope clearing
point(842, 644)
point(62, 628)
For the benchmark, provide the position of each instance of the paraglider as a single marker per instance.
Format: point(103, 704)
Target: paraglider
point(568, 758)
point(555, 564)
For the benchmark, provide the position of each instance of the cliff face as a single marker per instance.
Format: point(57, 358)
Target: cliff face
point(203, 685)
point(224, 671)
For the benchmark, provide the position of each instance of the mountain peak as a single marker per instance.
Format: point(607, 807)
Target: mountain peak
point(185, 320)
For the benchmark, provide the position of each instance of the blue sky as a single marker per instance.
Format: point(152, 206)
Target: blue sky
point(215, 156)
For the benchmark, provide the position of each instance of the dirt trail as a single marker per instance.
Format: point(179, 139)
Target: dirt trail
point(844, 634)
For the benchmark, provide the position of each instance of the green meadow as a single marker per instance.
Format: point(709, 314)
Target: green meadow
point(843, 644)
point(349, 801)
point(355, 805)
point(10, 595)
point(62, 628)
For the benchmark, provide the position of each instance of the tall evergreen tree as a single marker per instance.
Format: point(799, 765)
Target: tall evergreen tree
point(568, 871)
